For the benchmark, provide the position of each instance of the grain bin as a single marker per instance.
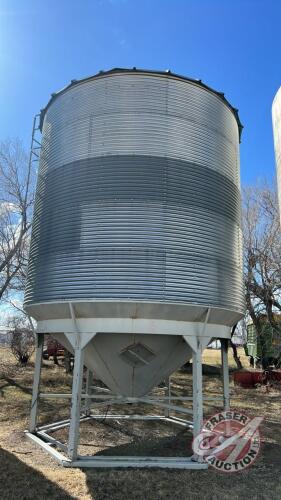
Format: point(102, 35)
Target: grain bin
point(136, 241)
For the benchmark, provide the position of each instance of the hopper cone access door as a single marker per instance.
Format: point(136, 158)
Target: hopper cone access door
point(131, 365)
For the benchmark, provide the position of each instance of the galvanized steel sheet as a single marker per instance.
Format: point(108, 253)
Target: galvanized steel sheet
point(138, 195)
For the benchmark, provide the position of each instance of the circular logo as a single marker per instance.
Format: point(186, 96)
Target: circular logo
point(229, 441)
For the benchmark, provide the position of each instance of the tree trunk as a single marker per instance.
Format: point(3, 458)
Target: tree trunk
point(235, 356)
point(234, 350)
point(67, 361)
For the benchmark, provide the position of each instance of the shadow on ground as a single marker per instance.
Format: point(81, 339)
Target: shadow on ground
point(261, 481)
point(19, 481)
point(13, 383)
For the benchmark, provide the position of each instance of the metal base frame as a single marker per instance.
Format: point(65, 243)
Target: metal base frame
point(82, 412)
point(48, 443)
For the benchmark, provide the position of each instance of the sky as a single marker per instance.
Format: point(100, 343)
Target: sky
point(232, 45)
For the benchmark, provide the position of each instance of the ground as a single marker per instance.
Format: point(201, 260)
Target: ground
point(26, 472)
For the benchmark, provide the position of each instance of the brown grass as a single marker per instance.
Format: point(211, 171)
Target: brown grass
point(27, 472)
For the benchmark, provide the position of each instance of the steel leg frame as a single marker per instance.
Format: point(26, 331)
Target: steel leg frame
point(47, 442)
point(88, 390)
point(75, 403)
point(113, 461)
point(36, 381)
point(40, 435)
point(197, 390)
point(168, 395)
point(225, 373)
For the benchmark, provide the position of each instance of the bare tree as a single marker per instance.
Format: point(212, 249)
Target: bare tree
point(68, 361)
point(234, 349)
point(21, 339)
point(262, 255)
point(16, 202)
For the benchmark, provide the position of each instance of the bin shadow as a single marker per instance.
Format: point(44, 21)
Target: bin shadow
point(20, 481)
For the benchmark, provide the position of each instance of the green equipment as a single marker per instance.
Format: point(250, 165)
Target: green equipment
point(267, 344)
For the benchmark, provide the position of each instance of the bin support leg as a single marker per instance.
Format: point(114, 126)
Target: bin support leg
point(75, 402)
point(36, 381)
point(225, 373)
point(88, 391)
point(197, 389)
point(168, 394)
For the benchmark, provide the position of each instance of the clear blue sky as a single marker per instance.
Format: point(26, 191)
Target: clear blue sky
point(232, 45)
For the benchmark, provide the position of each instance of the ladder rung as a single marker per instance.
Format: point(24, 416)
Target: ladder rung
point(33, 149)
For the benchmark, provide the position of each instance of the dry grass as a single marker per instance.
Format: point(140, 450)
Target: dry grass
point(213, 357)
point(27, 472)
